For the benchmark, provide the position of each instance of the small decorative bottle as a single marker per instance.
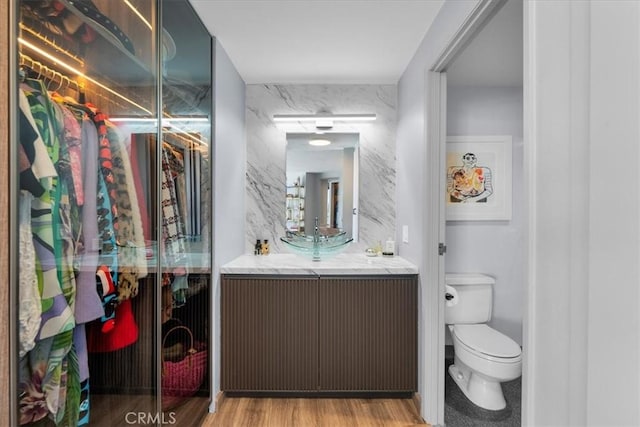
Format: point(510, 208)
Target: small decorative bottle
point(378, 247)
point(265, 247)
point(257, 249)
point(389, 247)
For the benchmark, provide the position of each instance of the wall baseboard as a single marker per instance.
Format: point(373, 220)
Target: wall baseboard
point(220, 398)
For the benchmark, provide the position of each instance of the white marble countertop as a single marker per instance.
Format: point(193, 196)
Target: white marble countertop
point(341, 264)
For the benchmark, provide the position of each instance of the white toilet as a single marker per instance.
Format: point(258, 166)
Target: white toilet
point(484, 357)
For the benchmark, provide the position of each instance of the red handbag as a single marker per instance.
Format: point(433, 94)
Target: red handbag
point(183, 378)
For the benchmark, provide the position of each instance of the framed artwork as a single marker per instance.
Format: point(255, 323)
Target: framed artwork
point(478, 178)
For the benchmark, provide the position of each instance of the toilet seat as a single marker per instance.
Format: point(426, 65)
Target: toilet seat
point(487, 343)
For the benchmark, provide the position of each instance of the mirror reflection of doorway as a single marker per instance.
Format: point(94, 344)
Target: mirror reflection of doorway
point(332, 204)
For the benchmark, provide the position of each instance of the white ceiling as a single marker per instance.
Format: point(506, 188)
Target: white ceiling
point(319, 41)
point(339, 141)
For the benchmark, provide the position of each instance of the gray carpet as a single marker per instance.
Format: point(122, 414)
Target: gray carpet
point(460, 412)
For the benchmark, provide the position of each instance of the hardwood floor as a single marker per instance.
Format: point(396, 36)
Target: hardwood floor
point(315, 412)
point(111, 410)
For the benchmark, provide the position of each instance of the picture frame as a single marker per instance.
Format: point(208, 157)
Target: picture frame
point(478, 182)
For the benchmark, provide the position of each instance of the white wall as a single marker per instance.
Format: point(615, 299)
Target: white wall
point(411, 161)
point(300, 162)
point(614, 288)
point(581, 125)
point(229, 185)
point(492, 247)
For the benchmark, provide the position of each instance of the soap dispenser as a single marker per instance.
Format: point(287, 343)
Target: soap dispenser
point(389, 247)
point(257, 249)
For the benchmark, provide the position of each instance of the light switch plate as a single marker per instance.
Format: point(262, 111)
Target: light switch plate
point(405, 234)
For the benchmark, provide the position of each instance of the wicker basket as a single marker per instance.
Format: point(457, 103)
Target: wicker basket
point(182, 379)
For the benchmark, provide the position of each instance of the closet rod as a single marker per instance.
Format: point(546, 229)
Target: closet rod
point(65, 81)
point(48, 73)
point(178, 140)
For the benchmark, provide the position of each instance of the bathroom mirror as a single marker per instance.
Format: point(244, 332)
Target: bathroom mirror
point(322, 181)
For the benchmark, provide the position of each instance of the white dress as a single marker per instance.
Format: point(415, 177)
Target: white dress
point(30, 304)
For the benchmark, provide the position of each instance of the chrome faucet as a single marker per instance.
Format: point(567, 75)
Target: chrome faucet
point(316, 232)
point(316, 242)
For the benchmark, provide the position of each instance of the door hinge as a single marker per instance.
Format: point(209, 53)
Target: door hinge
point(442, 249)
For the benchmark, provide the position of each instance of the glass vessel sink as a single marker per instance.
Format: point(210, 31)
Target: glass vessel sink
point(317, 246)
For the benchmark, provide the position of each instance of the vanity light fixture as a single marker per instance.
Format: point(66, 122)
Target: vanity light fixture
point(323, 121)
point(319, 142)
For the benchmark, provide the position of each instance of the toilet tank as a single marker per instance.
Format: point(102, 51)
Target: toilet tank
point(474, 298)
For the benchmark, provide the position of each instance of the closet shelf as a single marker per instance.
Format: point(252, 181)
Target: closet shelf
point(108, 55)
point(103, 59)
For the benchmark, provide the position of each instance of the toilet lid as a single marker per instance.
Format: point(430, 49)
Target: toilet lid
point(486, 340)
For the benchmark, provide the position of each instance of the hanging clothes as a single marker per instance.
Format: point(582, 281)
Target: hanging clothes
point(30, 301)
point(80, 141)
point(82, 389)
point(83, 231)
point(57, 316)
point(50, 223)
point(35, 166)
point(172, 225)
point(107, 225)
point(130, 246)
point(89, 305)
point(47, 368)
point(129, 234)
point(136, 143)
point(176, 159)
point(125, 331)
point(71, 143)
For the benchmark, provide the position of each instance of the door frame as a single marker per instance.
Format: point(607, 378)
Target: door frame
point(433, 334)
point(9, 213)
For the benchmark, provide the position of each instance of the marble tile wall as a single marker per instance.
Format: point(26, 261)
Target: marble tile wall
point(266, 155)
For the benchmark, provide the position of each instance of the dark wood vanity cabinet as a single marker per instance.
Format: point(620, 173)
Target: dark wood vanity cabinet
point(367, 333)
point(269, 330)
point(319, 334)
